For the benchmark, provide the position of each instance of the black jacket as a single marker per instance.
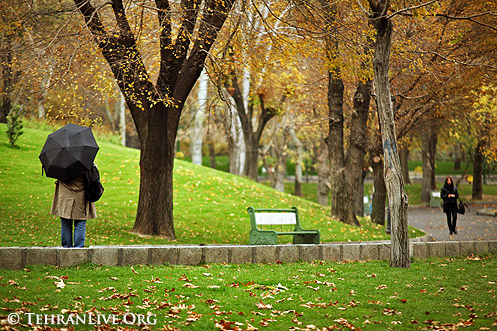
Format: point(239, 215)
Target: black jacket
point(450, 204)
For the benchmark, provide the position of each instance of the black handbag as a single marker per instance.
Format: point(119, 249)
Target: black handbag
point(461, 207)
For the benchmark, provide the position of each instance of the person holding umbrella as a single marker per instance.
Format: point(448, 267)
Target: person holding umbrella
point(67, 155)
point(70, 205)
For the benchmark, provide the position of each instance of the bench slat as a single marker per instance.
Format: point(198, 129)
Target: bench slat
point(275, 218)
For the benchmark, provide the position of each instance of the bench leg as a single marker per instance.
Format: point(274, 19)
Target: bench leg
point(311, 238)
point(263, 238)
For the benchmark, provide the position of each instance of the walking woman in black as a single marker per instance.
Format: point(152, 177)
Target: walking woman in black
point(449, 196)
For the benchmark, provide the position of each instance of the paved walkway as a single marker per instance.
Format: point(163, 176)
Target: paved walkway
point(470, 226)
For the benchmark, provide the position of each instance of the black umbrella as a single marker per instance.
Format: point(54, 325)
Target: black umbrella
point(69, 152)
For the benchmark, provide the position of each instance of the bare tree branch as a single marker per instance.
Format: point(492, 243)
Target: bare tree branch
point(484, 65)
point(410, 8)
point(471, 19)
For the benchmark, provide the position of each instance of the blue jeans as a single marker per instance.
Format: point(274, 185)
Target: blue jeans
point(79, 232)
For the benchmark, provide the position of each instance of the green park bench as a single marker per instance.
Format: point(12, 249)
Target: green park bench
point(435, 199)
point(286, 221)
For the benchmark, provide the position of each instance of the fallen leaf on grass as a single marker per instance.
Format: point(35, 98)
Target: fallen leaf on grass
point(345, 323)
point(156, 280)
point(190, 285)
point(391, 312)
point(60, 284)
point(110, 288)
point(228, 325)
point(262, 305)
point(183, 278)
point(193, 317)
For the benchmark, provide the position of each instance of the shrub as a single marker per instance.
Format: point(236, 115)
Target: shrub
point(14, 124)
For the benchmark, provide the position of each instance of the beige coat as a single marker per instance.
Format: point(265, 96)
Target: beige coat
point(69, 201)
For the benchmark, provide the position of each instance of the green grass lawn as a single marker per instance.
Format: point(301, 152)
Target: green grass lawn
point(442, 167)
point(209, 205)
point(434, 294)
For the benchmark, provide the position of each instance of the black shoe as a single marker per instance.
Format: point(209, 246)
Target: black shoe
point(455, 231)
point(451, 232)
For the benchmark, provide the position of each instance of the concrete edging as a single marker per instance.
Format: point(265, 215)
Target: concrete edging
point(20, 257)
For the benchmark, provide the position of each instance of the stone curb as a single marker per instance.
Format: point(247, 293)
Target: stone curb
point(20, 257)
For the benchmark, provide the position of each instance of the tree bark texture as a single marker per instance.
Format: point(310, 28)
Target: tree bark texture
point(212, 154)
point(379, 192)
point(433, 156)
point(397, 197)
point(298, 162)
point(156, 108)
point(323, 191)
point(236, 143)
point(121, 110)
point(404, 163)
point(279, 154)
point(334, 140)
point(6, 62)
point(428, 154)
point(457, 157)
point(427, 169)
point(477, 189)
point(359, 199)
point(197, 132)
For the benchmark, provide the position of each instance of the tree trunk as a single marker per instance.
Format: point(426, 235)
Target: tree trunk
point(323, 190)
point(379, 192)
point(346, 198)
point(397, 197)
point(298, 162)
point(155, 205)
point(197, 132)
point(236, 143)
point(477, 190)
point(457, 157)
point(45, 85)
point(120, 109)
point(427, 169)
point(212, 155)
point(433, 156)
point(6, 62)
point(280, 173)
point(428, 153)
point(404, 163)
point(251, 159)
point(335, 141)
point(359, 201)
point(298, 183)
